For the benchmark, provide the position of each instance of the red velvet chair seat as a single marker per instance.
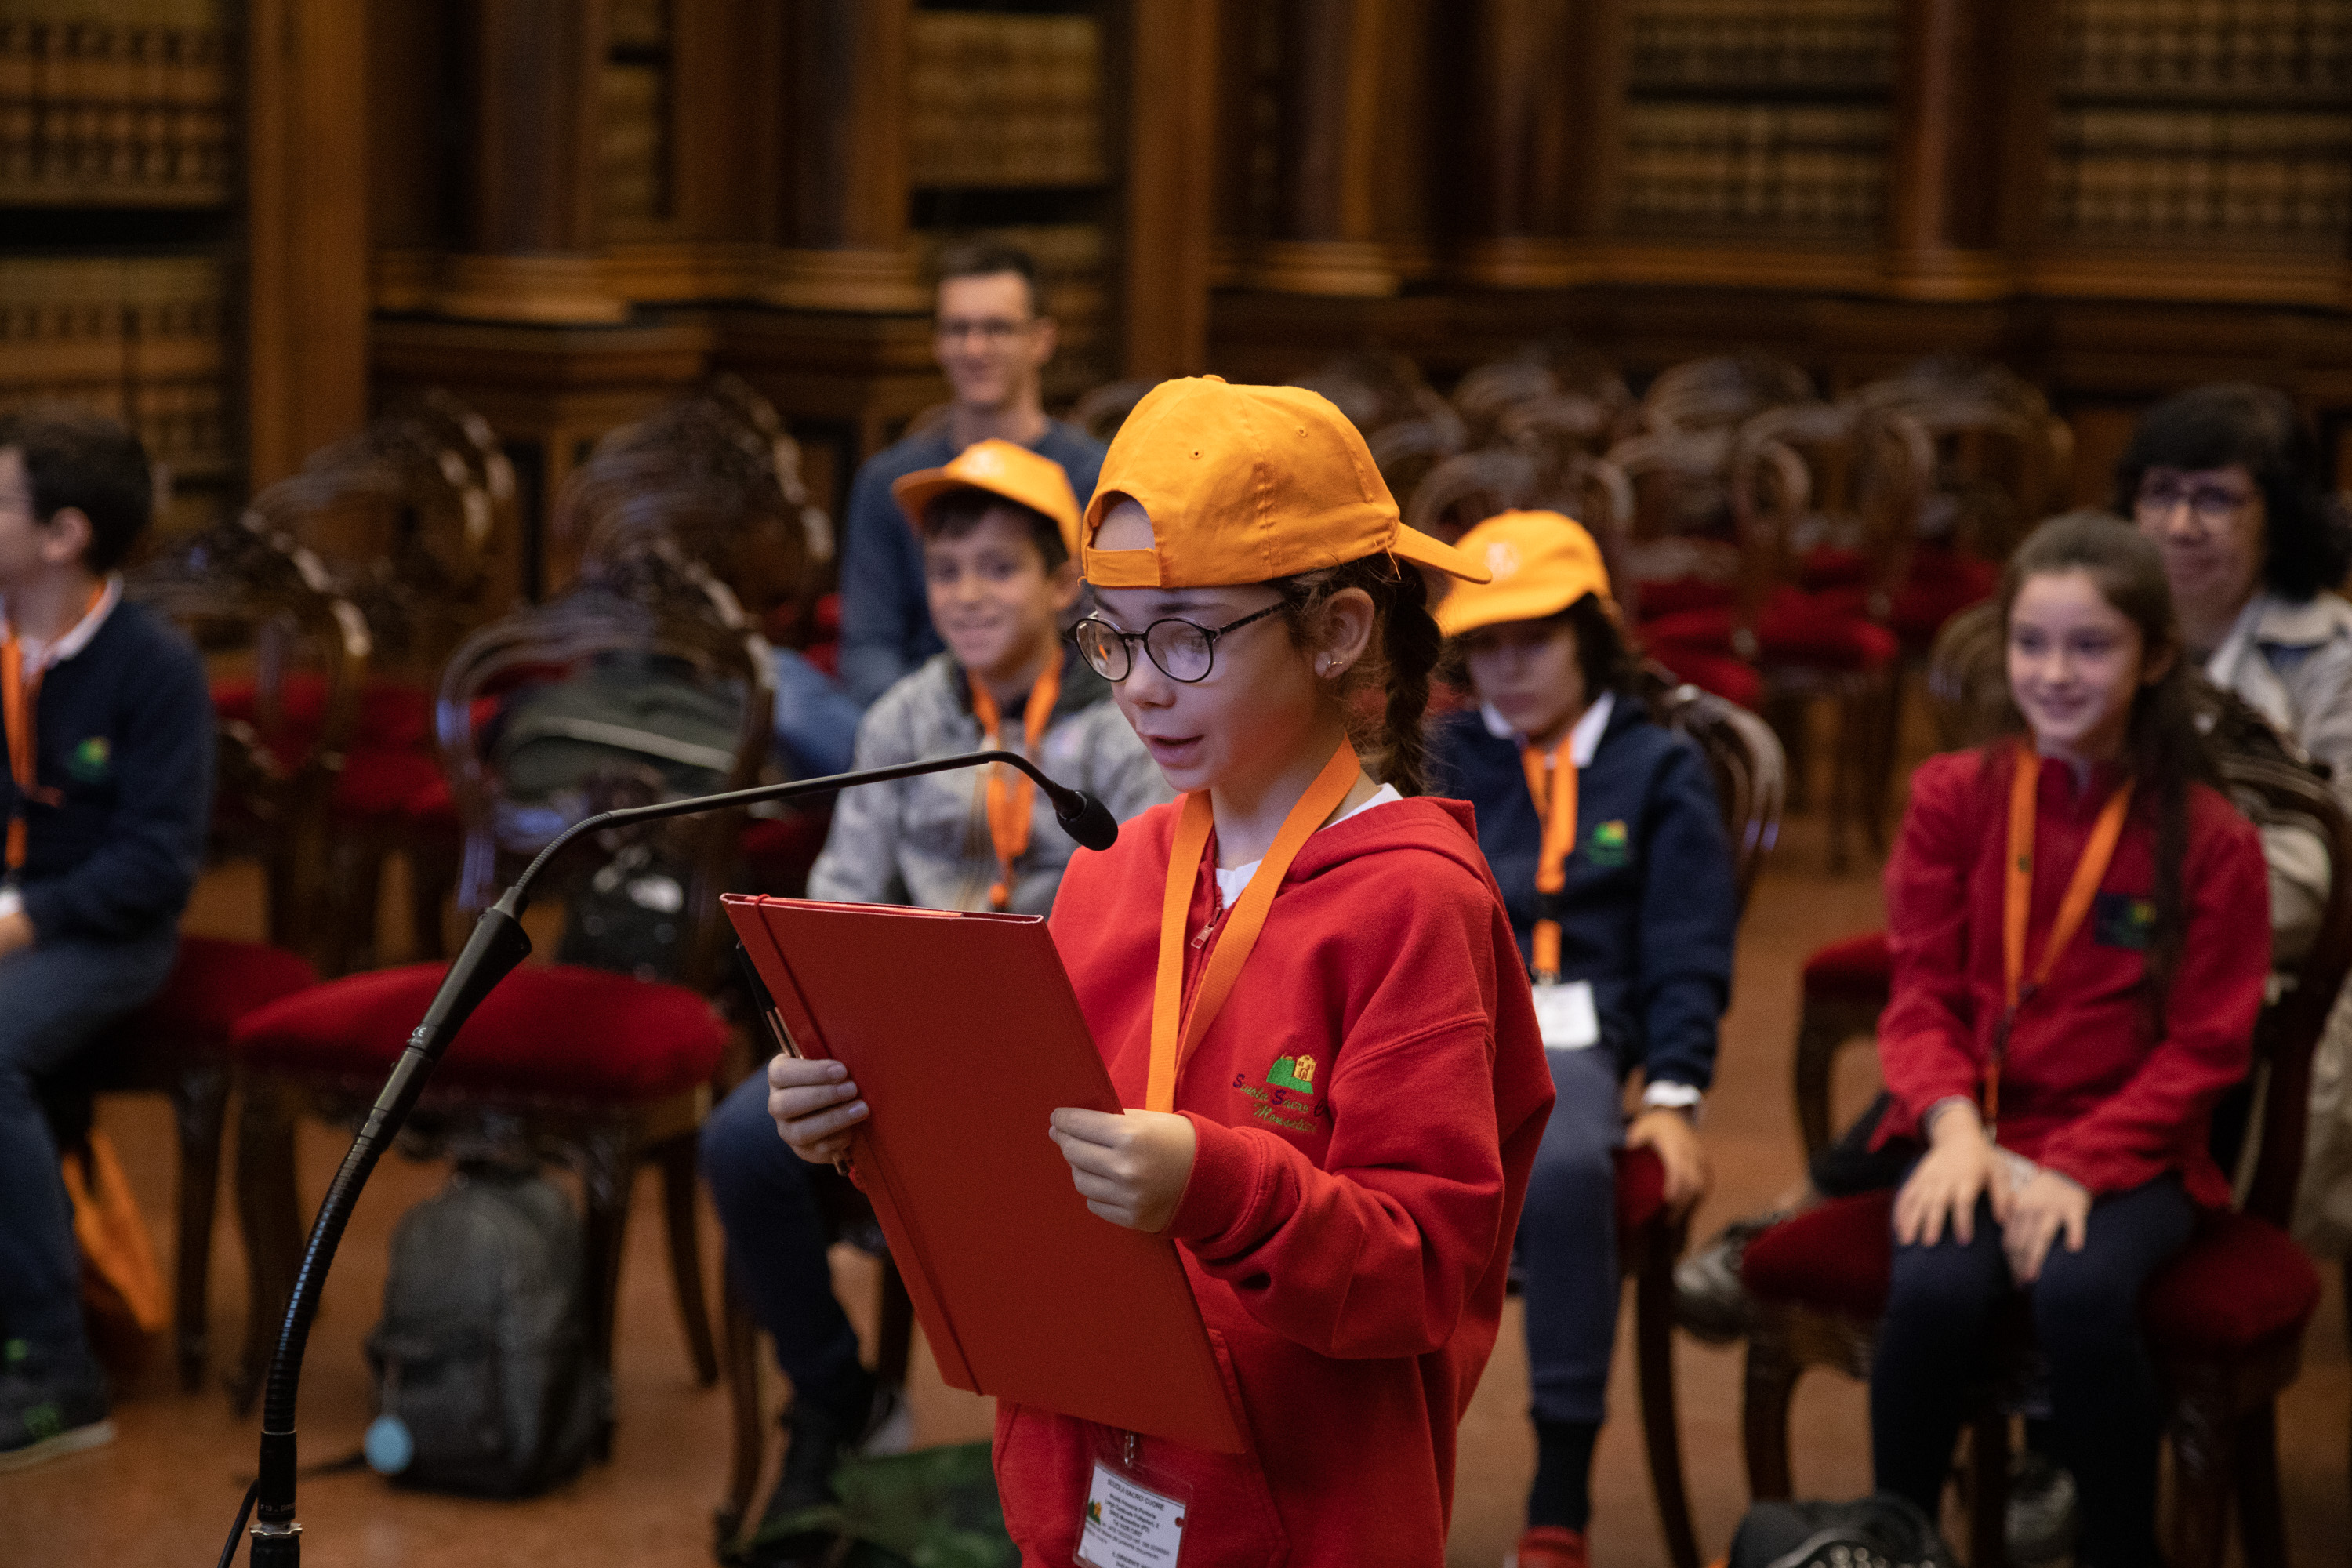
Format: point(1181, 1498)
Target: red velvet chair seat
point(1791, 628)
point(1733, 679)
point(1942, 583)
point(554, 1030)
point(390, 715)
point(1858, 968)
point(1641, 1189)
point(779, 850)
point(1673, 595)
point(379, 783)
point(2240, 1281)
point(215, 982)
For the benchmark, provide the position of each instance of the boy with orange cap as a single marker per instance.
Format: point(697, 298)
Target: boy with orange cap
point(1303, 980)
point(1603, 831)
point(998, 527)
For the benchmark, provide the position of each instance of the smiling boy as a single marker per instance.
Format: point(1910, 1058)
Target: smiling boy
point(997, 528)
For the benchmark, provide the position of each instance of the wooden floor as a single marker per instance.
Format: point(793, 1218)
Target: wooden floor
point(165, 1494)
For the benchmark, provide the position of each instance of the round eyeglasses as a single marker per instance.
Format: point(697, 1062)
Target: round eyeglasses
point(2212, 505)
point(1182, 650)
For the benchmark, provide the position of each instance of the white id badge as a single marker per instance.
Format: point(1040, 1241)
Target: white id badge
point(1129, 1525)
point(12, 899)
point(1564, 1010)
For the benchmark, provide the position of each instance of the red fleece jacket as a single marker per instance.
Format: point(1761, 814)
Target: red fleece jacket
point(1367, 1104)
point(2087, 1088)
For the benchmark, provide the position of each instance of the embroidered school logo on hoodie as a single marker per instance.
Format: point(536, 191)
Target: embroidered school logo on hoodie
point(91, 761)
point(2119, 919)
point(1288, 1099)
point(1610, 844)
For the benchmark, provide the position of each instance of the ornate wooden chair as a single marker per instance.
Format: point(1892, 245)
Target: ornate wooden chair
point(1720, 392)
point(1682, 550)
point(599, 1071)
point(2225, 1319)
point(1489, 392)
point(1834, 470)
point(1407, 451)
point(714, 479)
point(406, 516)
point(1377, 387)
point(247, 599)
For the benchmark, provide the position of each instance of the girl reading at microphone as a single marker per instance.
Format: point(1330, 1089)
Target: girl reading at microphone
point(2080, 929)
point(1304, 982)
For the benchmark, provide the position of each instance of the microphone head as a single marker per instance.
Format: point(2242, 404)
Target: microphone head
point(1087, 819)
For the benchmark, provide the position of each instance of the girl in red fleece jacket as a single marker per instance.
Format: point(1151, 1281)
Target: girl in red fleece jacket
point(1308, 983)
point(2080, 929)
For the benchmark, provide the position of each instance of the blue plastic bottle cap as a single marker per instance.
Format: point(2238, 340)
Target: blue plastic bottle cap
point(389, 1446)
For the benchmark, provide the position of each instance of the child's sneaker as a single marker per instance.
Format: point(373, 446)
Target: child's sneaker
point(49, 1407)
point(1549, 1546)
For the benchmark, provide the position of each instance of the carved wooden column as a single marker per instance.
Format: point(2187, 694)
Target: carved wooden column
point(1170, 69)
point(1539, 104)
point(307, 232)
point(1971, 107)
point(534, 70)
point(843, 244)
point(1326, 236)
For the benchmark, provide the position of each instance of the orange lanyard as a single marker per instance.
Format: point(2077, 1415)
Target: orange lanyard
point(20, 696)
point(2017, 895)
point(1553, 777)
point(1009, 789)
point(1175, 1033)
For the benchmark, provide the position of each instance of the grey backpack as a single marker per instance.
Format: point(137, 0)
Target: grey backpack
point(485, 1379)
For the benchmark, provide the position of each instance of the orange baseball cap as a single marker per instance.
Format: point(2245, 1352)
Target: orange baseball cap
point(1541, 563)
point(1002, 469)
point(1246, 484)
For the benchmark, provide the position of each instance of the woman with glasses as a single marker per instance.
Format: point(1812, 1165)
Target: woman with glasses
point(2226, 480)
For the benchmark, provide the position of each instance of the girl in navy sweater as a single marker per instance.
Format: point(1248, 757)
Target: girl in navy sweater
point(1603, 831)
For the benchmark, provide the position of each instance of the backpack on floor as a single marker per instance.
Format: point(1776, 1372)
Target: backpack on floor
point(1881, 1531)
point(485, 1381)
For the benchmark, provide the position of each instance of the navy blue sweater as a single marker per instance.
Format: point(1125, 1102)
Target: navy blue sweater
point(1648, 914)
point(125, 733)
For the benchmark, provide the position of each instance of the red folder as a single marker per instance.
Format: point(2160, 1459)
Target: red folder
point(964, 1035)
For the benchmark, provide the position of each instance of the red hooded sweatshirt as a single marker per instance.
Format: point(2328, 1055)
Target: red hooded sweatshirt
point(1367, 1103)
point(2087, 1088)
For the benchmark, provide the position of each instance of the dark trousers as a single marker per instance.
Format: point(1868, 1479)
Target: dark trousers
point(53, 998)
point(776, 1237)
point(2106, 1411)
point(1568, 1240)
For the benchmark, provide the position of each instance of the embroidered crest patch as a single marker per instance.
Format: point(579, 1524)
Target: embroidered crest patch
point(1610, 845)
point(91, 761)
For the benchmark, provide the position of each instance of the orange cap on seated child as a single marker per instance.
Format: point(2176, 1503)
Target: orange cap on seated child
point(1246, 484)
point(1540, 563)
point(1001, 469)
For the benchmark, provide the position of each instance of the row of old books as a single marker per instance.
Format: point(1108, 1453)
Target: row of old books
point(145, 338)
point(1798, 172)
point(116, 113)
point(2229, 178)
point(633, 147)
point(998, 100)
point(2219, 46)
point(1829, 45)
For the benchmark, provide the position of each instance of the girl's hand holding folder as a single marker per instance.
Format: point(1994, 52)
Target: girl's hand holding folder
point(1131, 1168)
point(815, 1105)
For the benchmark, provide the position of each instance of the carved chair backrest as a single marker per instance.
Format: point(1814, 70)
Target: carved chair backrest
point(1751, 771)
point(656, 607)
point(1723, 390)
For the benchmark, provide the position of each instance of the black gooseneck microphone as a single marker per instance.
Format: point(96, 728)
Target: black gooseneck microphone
point(496, 945)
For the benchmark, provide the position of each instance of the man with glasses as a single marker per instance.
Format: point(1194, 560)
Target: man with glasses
point(992, 338)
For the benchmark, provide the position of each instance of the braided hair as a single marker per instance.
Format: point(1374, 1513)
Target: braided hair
point(1391, 734)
